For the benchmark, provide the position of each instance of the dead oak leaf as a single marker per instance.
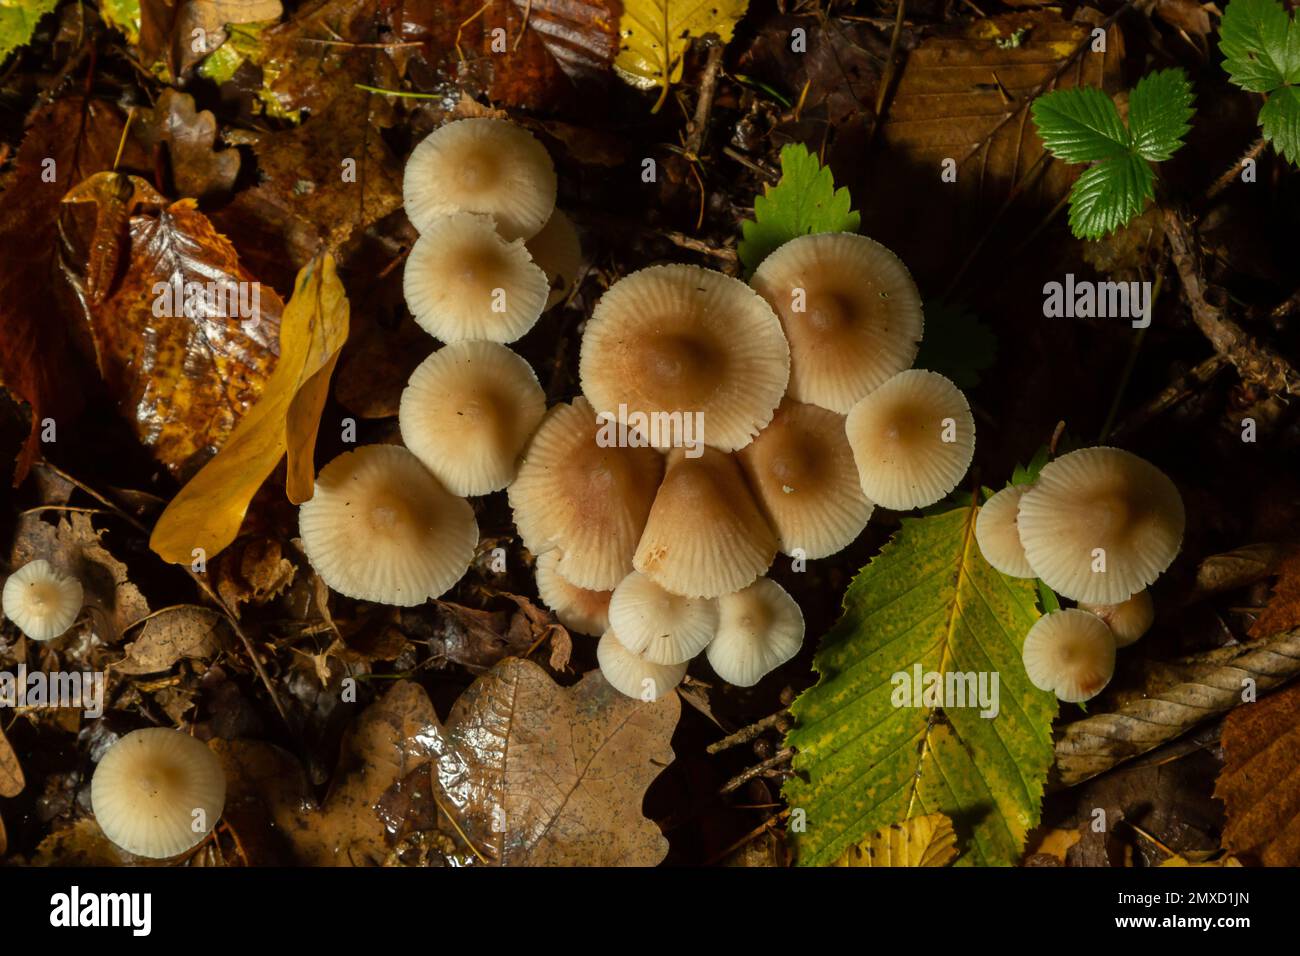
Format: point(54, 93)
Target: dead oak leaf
point(12, 780)
point(186, 631)
point(1260, 780)
point(188, 139)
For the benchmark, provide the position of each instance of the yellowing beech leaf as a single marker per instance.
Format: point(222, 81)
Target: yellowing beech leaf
point(655, 35)
point(209, 510)
point(918, 841)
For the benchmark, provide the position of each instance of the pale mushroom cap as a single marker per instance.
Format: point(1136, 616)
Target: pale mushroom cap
point(481, 165)
point(578, 609)
point(681, 339)
point(42, 602)
point(1071, 653)
point(801, 468)
point(655, 624)
point(588, 500)
point(851, 313)
point(158, 792)
point(759, 629)
point(705, 536)
point(1128, 620)
point(381, 528)
point(557, 250)
point(463, 281)
point(1100, 524)
point(635, 676)
point(913, 439)
point(467, 413)
point(998, 536)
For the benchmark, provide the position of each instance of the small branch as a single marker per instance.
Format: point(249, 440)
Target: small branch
point(745, 734)
point(680, 239)
point(699, 125)
point(1173, 395)
point(758, 770)
point(1233, 172)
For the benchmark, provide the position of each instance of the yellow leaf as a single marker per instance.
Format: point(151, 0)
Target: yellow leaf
point(917, 841)
point(209, 510)
point(656, 33)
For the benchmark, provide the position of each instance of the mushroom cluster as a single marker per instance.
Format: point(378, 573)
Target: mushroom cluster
point(1097, 526)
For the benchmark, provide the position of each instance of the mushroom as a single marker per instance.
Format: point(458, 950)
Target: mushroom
point(635, 676)
point(759, 629)
point(1128, 620)
point(801, 469)
point(380, 528)
point(659, 626)
point(587, 499)
point(850, 310)
point(481, 165)
point(705, 536)
point(557, 250)
point(912, 439)
point(674, 341)
point(158, 792)
point(467, 413)
point(1071, 653)
point(580, 610)
point(463, 281)
point(42, 602)
point(1100, 524)
point(998, 536)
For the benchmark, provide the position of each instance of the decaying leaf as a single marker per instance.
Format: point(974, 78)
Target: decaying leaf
point(1239, 568)
point(189, 140)
point(179, 33)
point(1283, 609)
point(657, 33)
point(171, 634)
point(82, 844)
point(917, 841)
point(253, 570)
point(116, 196)
point(12, 780)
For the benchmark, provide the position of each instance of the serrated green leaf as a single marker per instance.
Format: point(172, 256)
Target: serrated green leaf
point(18, 19)
point(1027, 474)
point(803, 202)
point(1158, 112)
point(1280, 119)
point(1109, 195)
point(1260, 45)
point(928, 599)
point(1080, 125)
point(956, 344)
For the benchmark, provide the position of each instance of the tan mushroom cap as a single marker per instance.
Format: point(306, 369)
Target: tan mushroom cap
point(557, 250)
point(1071, 653)
point(913, 439)
point(589, 501)
point(463, 281)
point(662, 627)
point(381, 528)
point(158, 792)
point(681, 339)
point(1100, 524)
point(801, 468)
point(759, 629)
point(42, 602)
point(998, 536)
point(635, 676)
point(467, 413)
point(850, 310)
point(1128, 620)
point(706, 535)
point(481, 165)
point(578, 609)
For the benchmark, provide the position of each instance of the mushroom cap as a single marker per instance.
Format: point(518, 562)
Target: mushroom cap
point(42, 602)
point(635, 676)
point(149, 788)
point(998, 536)
point(659, 626)
point(558, 251)
point(759, 629)
point(801, 469)
point(380, 528)
point(899, 438)
point(578, 609)
point(1107, 499)
point(705, 536)
point(588, 500)
point(467, 412)
point(481, 165)
point(678, 338)
point(855, 320)
point(1128, 620)
point(463, 281)
point(1071, 653)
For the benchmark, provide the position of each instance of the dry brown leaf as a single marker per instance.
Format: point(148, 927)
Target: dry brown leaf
point(173, 633)
point(188, 139)
point(918, 841)
point(11, 771)
point(253, 571)
point(1283, 609)
point(1238, 568)
point(82, 844)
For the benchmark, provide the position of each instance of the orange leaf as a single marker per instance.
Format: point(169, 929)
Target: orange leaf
point(1283, 610)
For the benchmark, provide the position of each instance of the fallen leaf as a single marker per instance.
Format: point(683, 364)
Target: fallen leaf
point(657, 33)
point(11, 771)
point(1283, 609)
point(115, 197)
point(917, 841)
point(253, 570)
point(171, 634)
point(478, 639)
point(179, 33)
point(18, 23)
point(1226, 860)
point(1055, 843)
point(188, 139)
point(374, 370)
point(1239, 568)
point(82, 844)
point(1260, 780)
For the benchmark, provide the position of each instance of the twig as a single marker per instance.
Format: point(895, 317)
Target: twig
point(749, 837)
point(1231, 174)
point(699, 125)
point(745, 734)
point(680, 239)
point(758, 770)
point(1171, 396)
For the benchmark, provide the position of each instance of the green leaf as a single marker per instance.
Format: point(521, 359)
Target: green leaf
point(1109, 195)
point(1028, 474)
point(803, 202)
point(1158, 112)
point(930, 600)
point(18, 19)
point(1280, 119)
point(956, 344)
point(1080, 125)
point(1260, 45)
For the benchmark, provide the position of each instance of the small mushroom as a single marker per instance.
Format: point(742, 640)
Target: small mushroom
point(158, 792)
point(463, 281)
point(913, 439)
point(481, 165)
point(635, 676)
point(850, 310)
point(580, 610)
point(557, 250)
point(381, 528)
point(1071, 653)
point(998, 536)
point(759, 629)
point(42, 602)
point(1128, 620)
point(659, 626)
point(467, 412)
